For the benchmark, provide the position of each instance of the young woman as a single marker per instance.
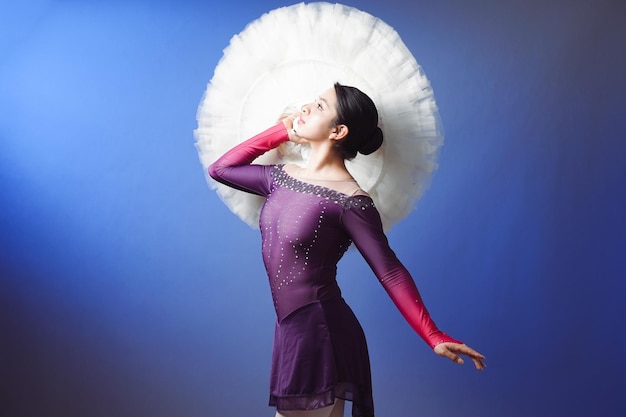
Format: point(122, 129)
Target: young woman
point(310, 217)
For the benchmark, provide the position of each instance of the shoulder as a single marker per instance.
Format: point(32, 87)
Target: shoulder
point(360, 201)
point(360, 216)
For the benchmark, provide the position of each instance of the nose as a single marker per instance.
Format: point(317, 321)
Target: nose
point(306, 108)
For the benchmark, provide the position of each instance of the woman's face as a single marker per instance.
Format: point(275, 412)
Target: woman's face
point(316, 119)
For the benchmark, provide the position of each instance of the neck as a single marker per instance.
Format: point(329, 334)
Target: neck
point(325, 163)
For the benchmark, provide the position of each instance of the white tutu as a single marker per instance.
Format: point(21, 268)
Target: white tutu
point(288, 57)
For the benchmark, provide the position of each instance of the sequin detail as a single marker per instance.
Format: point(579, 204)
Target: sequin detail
point(283, 179)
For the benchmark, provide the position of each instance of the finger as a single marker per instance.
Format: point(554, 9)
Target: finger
point(466, 350)
point(293, 136)
point(479, 364)
point(476, 357)
point(447, 353)
point(457, 359)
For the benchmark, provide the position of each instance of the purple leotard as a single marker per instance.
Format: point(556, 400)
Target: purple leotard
point(319, 351)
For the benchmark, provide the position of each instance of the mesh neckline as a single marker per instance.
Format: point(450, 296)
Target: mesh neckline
point(293, 183)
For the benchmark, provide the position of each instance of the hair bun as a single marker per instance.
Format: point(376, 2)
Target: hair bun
point(373, 142)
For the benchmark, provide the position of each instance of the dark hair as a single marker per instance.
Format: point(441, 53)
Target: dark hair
point(358, 112)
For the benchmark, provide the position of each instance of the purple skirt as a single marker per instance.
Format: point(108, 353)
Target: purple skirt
point(320, 354)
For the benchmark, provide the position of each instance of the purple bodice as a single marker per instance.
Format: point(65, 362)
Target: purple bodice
point(303, 239)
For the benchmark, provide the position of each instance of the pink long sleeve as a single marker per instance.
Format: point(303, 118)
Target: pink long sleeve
point(248, 151)
point(234, 167)
point(365, 229)
point(405, 295)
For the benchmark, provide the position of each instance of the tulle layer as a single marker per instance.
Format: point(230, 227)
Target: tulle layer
point(289, 56)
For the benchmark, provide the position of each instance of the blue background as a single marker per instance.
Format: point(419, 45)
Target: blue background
point(128, 289)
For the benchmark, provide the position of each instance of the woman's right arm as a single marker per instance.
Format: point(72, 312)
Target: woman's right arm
point(234, 167)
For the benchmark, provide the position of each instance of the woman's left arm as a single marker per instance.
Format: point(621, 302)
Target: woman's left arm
point(364, 226)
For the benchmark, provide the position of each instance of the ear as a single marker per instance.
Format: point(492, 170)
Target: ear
point(339, 132)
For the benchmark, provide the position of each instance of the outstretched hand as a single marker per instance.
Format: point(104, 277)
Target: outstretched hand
point(453, 350)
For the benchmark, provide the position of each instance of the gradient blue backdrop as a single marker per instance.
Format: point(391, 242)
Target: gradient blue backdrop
point(128, 289)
